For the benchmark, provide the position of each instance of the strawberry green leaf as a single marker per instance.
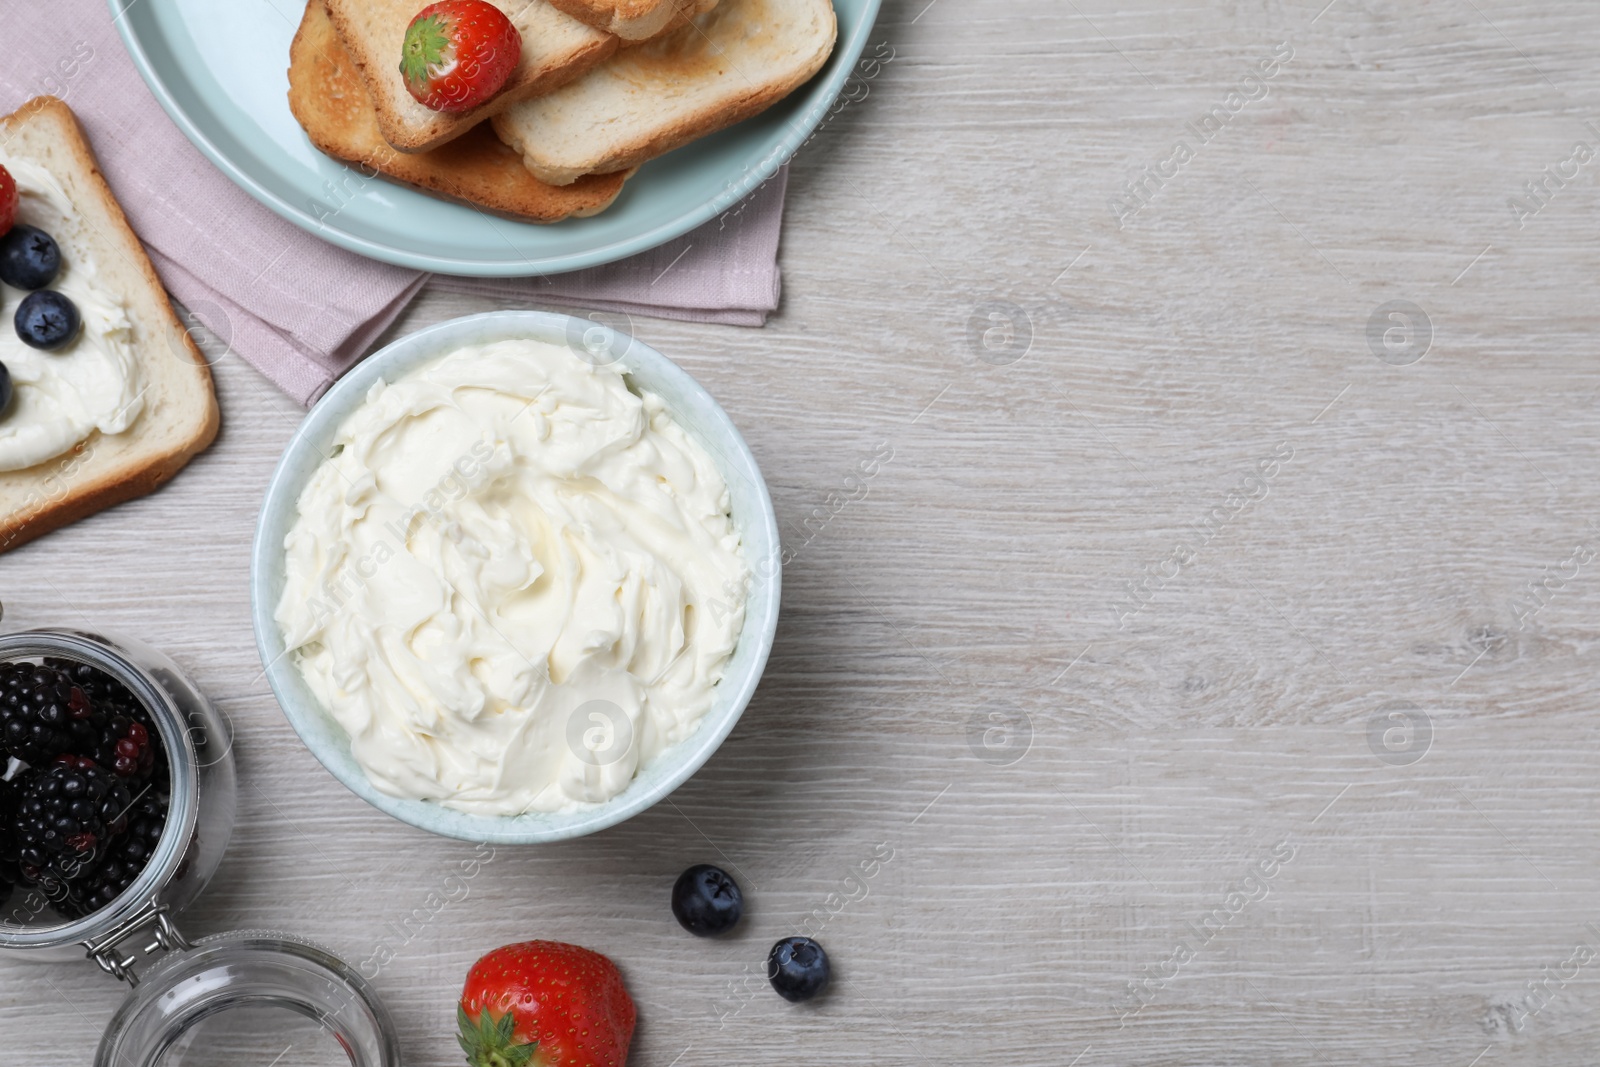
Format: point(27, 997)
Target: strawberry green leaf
point(488, 1042)
point(426, 49)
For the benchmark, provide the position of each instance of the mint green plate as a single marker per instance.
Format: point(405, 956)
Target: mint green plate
point(220, 71)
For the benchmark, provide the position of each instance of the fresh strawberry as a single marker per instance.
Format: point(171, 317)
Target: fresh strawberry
point(458, 54)
point(8, 201)
point(545, 1004)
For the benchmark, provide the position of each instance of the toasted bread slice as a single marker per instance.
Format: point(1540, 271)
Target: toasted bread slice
point(556, 48)
point(330, 101)
point(683, 13)
point(727, 65)
point(179, 417)
point(632, 20)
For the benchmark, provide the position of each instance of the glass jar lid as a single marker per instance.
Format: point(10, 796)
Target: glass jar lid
point(250, 993)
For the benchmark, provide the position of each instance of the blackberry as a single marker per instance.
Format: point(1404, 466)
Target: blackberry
point(122, 746)
point(104, 692)
point(10, 802)
point(10, 794)
point(119, 733)
point(66, 820)
point(40, 708)
point(125, 859)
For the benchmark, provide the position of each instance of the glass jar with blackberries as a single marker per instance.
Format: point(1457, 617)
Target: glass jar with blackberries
point(116, 804)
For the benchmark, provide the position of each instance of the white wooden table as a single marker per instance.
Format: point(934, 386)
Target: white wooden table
point(1209, 677)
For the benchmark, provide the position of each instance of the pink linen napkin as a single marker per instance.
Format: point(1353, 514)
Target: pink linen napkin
point(300, 310)
point(724, 272)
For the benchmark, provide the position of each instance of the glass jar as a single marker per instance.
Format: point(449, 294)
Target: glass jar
point(191, 982)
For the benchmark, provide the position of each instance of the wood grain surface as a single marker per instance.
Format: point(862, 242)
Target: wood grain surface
point(1210, 675)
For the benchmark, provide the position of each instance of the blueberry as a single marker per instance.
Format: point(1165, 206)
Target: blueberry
point(798, 968)
point(47, 320)
point(29, 258)
point(6, 391)
point(706, 901)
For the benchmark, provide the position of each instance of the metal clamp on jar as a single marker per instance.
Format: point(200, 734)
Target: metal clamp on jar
point(179, 984)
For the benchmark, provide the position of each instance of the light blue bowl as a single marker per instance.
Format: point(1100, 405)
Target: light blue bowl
point(693, 408)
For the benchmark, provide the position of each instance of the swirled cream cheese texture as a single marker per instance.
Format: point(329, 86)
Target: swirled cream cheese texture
point(514, 582)
point(93, 384)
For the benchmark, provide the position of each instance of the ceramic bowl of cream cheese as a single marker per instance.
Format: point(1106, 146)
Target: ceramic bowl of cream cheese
point(516, 578)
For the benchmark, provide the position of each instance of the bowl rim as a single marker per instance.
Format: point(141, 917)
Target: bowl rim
point(312, 724)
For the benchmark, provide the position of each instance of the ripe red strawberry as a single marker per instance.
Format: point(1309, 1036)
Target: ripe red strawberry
point(459, 54)
point(545, 1004)
point(8, 201)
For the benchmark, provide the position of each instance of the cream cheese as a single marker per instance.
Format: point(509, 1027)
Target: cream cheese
point(513, 582)
point(93, 384)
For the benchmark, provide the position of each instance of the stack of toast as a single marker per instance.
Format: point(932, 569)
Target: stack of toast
point(602, 87)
